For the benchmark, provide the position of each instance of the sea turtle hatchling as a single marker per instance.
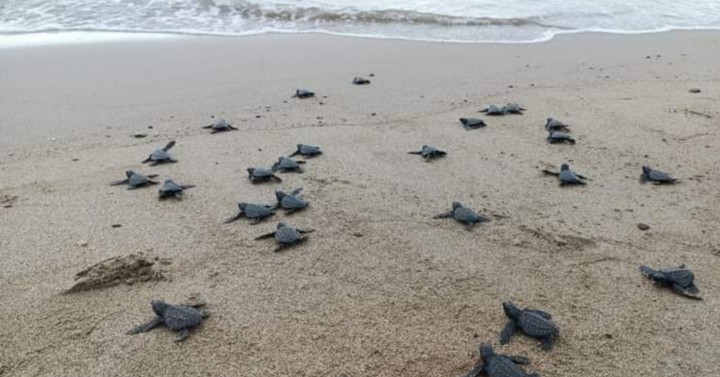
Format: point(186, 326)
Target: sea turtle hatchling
point(286, 236)
point(291, 202)
point(493, 110)
point(497, 365)
point(160, 156)
point(513, 108)
point(220, 125)
point(307, 151)
point(472, 123)
point(680, 279)
point(360, 81)
point(656, 176)
point(555, 125)
point(136, 180)
point(429, 152)
point(285, 164)
point(534, 323)
point(555, 137)
point(254, 212)
point(463, 215)
point(262, 175)
point(302, 93)
point(172, 189)
point(180, 318)
point(567, 176)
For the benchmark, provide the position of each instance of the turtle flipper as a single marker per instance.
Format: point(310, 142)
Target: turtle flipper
point(305, 231)
point(296, 191)
point(118, 183)
point(446, 215)
point(581, 176)
point(550, 172)
point(235, 218)
point(415, 152)
point(264, 236)
point(653, 274)
point(520, 360)
point(276, 178)
point(300, 162)
point(294, 154)
point(507, 331)
point(232, 128)
point(169, 145)
point(182, 335)
point(145, 161)
point(146, 326)
point(275, 167)
point(686, 292)
point(547, 343)
point(207, 127)
point(152, 183)
point(178, 195)
point(215, 131)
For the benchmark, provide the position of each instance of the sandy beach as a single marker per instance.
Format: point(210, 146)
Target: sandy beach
point(380, 288)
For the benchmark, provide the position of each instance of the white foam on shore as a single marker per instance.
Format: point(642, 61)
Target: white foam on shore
point(72, 37)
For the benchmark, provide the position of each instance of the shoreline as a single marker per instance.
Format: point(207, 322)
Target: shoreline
point(380, 289)
point(74, 37)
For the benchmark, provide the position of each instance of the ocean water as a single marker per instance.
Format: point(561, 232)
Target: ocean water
point(437, 20)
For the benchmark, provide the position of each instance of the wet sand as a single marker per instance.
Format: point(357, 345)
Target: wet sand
point(380, 288)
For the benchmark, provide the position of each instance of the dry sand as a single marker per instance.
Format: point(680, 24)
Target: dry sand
point(380, 289)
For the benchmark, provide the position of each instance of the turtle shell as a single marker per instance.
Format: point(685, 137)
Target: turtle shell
point(254, 211)
point(137, 179)
point(499, 366)
point(178, 317)
point(287, 235)
point(536, 326)
point(680, 276)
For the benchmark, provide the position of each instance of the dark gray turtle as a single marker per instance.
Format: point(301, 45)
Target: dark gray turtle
point(262, 175)
point(286, 236)
point(307, 151)
point(302, 93)
point(429, 152)
point(472, 123)
point(496, 365)
point(555, 137)
point(291, 202)
point(135, 180)
point(493, 110)
point(179, 318)
point(360, 81)
point(220, 125)
point(160, 156)
point(463, 215)
point(656, 176)
point(567, 176)
point(172, 189)
point(680, 279)
point(534, 323)
point(556, 125)
point(513, 108)
point(254, 212)
point(285, 164)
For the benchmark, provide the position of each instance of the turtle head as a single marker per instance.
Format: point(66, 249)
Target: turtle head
point(159, 307)
point(564, 167)
point(646, 169)
point(242, 205)
point(486, 352)
point(280, 195)
point(457, 205)
point(511, 310)
point(299, 146)
point(250, 170)
point(129, 173)
point(282, 225)
point(549, 120)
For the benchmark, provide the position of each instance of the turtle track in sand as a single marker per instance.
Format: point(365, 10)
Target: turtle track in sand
point(129, 269)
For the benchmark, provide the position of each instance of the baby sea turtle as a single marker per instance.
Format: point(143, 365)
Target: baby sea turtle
point(567, 176)
point(220, 125)
point(291, 202)
point(556, 125)
point(493, 110)
point(262, 175)
point(160, 156)
point(307, 151)
point(135, 180)
point(680, 279)
point(534, 323)
point(513, 108)
point(360, 81)
point(497, 365)
point(555, 137)
point(285, 164)
point(428, 152)
point(254, 212)
point(463, 215)
point(472, 123)
point(172, 189)
point(286, 236)
point(179, 318)
point(302, 93)
point(656, 176)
